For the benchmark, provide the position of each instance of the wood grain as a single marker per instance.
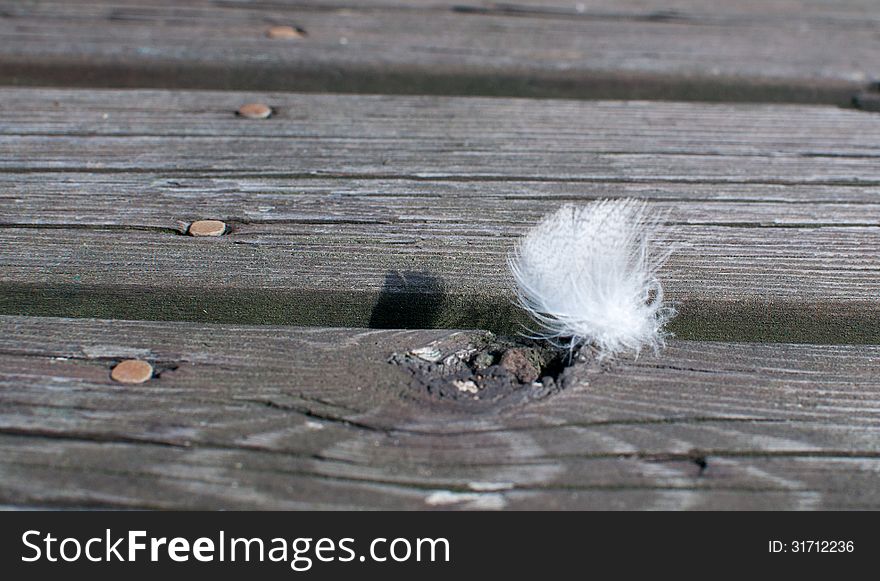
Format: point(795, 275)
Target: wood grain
point(781, 50)
point(281, 417)
point(342, 207)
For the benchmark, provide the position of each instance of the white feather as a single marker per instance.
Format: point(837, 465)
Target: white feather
point(588, 276)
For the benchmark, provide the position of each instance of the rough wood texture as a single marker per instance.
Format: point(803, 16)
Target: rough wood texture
point(399, 211)
point(279, 417)
point(790, 50)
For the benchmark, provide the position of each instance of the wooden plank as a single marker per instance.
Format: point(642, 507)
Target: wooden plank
point(781, 50)
point(436, 137)
point(348, 210)
point(281, 417)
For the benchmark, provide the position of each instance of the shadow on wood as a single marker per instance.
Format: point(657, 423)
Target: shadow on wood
point(409, 300)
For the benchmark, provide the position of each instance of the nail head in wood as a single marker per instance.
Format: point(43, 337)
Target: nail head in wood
point(207, 228)
point(284, 32)
point(255, 111)
point(132, 371)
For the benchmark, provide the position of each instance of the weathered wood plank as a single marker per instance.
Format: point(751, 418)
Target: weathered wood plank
point(789, 50)
point(436, 137)
point(342, 207)
point(279, 417)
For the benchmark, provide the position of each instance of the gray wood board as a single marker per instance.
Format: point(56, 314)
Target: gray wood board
point(781, 50)
point(282, 417)
point(351, 210)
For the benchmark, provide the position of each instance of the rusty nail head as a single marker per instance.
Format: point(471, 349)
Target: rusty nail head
point(207, 228)
point(132, 371)
point(285, 32)
point(255, 111)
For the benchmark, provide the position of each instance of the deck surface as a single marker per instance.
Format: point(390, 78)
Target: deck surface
point(370, 216)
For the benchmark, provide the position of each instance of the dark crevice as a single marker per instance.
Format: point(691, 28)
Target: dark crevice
point(315, 221)
point(104, 72)
point(725, 372)
point(205, 173)
point(315, 415)
point(792, 225)
point(94, 227)
point(93, 437)
point(702, 463)
point(504, 9)
point(397, 140)
point(425, 301)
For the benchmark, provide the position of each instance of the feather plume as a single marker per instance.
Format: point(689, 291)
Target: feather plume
point(588, 276)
